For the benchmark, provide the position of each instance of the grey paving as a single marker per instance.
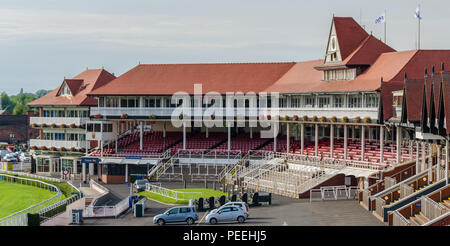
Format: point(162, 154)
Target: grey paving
point(283, 211)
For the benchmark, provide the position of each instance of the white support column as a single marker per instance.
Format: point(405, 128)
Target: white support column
point(141, 136)
point(345, 140)
point(417, 157)
point(430, 163)
point(302, 137)
point(184, 135)
point(251, 132)
point(229, 138)
point(381, 144)
point(446, 162)
point(316, 140)
point(206, 132)
point(101, 139)
point(287, 138)
point(363, 140)
point(399, 144)
point(275, 141)
point(74, 167)
point(331, 140)
point(83, 171)
point(50, 165)
point(423, 157)
point(91, 169)
point(99, 171)
point(117, 139)
point(353, 132)
point(126, 173)
point(438, 161)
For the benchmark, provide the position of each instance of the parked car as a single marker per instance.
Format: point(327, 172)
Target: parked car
point(9, 158)
point(140, 185)
point(228, 213)
point(241, 205)
point(177, 214)
point(24, 157)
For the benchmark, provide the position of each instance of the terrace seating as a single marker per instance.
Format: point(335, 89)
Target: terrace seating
point(152, 143)
point(198, 141)
point(371, 150)
point(244, 143)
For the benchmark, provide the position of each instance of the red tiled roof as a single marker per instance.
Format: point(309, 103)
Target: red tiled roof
point(446, 98)
point(349, 34)
point(387, 98)
point(413, 96)
point(79, 86)
point(365, 54)
point(167, 79)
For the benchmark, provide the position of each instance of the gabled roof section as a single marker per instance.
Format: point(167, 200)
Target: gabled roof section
point(413, 99)
point(349, 34)
point(79, 86)
point(367, 52)
point(446, 99)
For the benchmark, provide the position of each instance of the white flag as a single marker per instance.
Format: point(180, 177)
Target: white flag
point(417, 13)
point(381, 19)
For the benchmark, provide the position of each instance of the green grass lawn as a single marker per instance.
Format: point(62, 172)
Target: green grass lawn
point(205, 194)
point(16, 197)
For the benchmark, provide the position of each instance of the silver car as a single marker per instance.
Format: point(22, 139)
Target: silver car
point(227, 213)
point(241, 205)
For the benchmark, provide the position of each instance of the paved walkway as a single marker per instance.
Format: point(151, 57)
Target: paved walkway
point(283, 211)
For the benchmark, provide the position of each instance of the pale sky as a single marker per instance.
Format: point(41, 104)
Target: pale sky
point(41, 42)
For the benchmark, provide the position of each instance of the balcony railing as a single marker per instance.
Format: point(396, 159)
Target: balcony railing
point(58, 143)
point(167, 112)
point(58, 120)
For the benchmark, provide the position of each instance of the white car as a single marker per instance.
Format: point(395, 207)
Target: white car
point(9, 158)
point(241, 205)
point(228, 213)
point(24, 157)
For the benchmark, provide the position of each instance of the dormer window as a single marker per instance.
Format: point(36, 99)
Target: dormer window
point(65, 91)
point(339, 74)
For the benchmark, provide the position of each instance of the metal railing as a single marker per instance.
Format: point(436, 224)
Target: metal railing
point(107, 211)
point(341, 192)
point(430, 208)
point(379, 206)
point(20, 218)
point(176, 195)
point(33, 176)
point(399, 220)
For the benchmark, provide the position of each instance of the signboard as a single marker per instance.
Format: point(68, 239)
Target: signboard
point(66, 172)
point(133, 157)
point(90, 160)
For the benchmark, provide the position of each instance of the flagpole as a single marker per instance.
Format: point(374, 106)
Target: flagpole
point(384, 26)
point(418, 37)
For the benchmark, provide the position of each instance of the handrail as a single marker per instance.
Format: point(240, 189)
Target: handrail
point(399, 220)
point(437, 219)
point(19, 218)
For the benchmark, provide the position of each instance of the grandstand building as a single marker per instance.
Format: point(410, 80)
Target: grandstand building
point(63, 114)
point(348, 119)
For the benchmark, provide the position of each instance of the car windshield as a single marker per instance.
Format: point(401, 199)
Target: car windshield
point(142, 182)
